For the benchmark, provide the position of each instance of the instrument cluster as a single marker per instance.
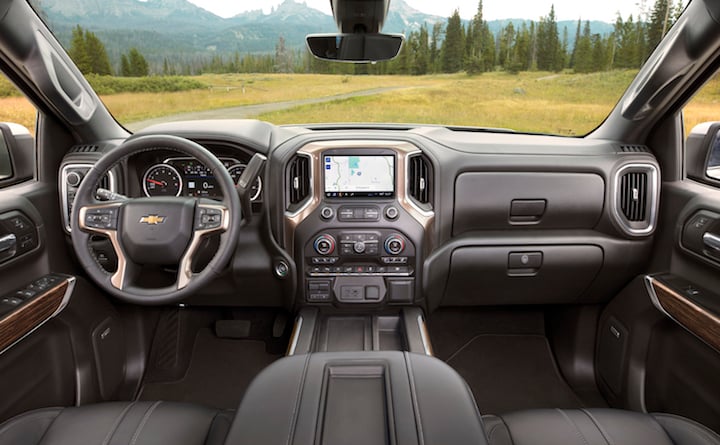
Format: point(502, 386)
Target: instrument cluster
point(186, 176)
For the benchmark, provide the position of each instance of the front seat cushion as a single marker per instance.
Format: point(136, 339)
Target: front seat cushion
point(115, 423)
point(595, 427)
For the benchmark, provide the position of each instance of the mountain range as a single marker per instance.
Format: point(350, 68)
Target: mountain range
point(178, 28)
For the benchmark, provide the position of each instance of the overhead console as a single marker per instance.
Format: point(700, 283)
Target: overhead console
point(356, 215)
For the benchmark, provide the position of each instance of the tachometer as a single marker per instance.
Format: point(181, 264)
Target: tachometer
point(236, 171)
point(162, 180)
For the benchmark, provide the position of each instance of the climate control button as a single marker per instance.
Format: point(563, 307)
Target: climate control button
point(324, 244)
point(394, 244)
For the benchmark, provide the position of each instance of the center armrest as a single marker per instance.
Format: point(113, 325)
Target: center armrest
point(358, 398)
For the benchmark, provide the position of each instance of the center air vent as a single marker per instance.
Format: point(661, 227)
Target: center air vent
point(298, 180)
point(636, 198)
point(420, 179)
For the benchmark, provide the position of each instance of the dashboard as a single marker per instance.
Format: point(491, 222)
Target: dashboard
point(375, 217)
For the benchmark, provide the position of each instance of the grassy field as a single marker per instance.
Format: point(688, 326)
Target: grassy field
point(570, 104)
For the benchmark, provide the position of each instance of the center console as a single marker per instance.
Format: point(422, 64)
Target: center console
point(358, 233)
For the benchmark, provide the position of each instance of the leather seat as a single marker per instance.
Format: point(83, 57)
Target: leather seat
point(115, 423)
point(595, 427)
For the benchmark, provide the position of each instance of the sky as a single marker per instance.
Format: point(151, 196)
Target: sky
point(605, 10)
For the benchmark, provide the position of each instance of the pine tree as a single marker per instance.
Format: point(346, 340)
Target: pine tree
point(97, 55)
point(421, 62)
point(453, 45)
point(435, 47)
point(134, 64)
point(506, 42)
point(549, 57)
point(521, 51)
point(78, 51)
point(584, 53)
point(660, 21)
point(577, 39)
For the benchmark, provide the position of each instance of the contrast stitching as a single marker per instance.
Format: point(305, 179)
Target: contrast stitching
point(144, 420)
point(297, 401)
point(604, 434)
point(413, 396)
point(577, 430)
point(119, 419)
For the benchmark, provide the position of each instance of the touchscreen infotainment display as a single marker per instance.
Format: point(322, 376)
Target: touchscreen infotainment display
point(359, 176)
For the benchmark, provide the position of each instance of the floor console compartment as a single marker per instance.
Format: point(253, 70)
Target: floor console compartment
point(358, 398)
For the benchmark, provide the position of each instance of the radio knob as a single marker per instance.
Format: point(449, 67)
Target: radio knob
point(394, 244)
point(324, 244)
point(74, 179)
point(359, 247)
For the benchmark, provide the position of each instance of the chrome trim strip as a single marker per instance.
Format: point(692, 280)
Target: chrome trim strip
point(653, 198)
point(295, 336)
point(424, 335)
point(62, 186)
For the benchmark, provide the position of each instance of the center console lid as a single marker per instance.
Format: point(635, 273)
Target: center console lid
point(358, 398)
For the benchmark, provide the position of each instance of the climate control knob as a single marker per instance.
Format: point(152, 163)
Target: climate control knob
point(394, 244)
point(324, 244)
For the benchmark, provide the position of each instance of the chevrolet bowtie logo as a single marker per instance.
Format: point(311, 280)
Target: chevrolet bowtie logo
point(152, 220)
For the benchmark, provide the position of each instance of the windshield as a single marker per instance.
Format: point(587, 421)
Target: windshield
point(556, 66)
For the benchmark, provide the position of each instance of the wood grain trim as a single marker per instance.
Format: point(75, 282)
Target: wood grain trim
point(696, 319)
point(30, 315)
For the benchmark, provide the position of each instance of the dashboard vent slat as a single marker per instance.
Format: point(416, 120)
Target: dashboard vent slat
point(88, 148)
point(634, 149)
point(299, 179)
point(420, 179)
point(633, 195)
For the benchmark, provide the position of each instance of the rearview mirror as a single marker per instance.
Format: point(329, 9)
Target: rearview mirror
point(355, 48)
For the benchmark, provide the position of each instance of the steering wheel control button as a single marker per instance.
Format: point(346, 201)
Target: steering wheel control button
point(391, 213)
point(324, 244)
point(327, 213)
point(208, 219)
point(394, 244)
point(101, 218)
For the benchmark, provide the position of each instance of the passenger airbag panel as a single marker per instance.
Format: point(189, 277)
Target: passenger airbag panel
point(484, 276)
point(500, 200)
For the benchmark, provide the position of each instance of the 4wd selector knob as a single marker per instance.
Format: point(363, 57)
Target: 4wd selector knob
point(324, 244)
point(359, 247)
point(394, 244)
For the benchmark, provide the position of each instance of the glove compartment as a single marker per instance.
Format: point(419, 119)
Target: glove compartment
point(503, 200)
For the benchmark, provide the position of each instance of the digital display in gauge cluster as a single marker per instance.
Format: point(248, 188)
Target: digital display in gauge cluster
point(189, 177)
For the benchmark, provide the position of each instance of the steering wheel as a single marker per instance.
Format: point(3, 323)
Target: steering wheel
point(157, 230)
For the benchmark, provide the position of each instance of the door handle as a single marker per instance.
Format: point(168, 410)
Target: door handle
point(8, 246)
point(711, 241)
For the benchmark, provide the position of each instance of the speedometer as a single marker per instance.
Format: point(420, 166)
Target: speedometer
point(236, 171)
point(162, 180)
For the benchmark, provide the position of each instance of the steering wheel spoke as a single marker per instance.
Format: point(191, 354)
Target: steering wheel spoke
point(102, 219)
point(209, 219)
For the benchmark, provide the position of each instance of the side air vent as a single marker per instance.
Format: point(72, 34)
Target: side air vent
point(634, 149)
point(84, 149)
point(636, 198)
point(298, 180)
point(420, 179)
point(633, 195)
